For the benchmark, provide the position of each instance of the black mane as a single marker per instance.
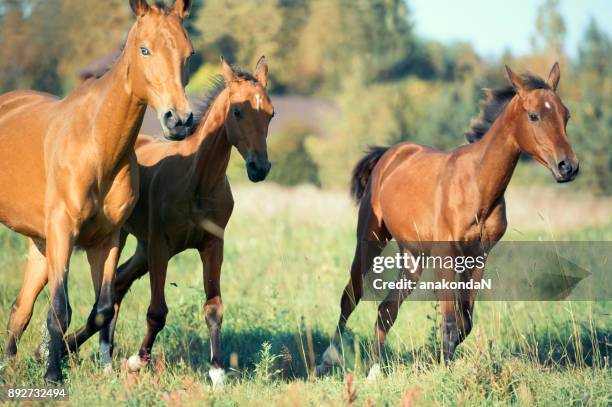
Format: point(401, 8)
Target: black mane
point(494, 104)
point(202, 107)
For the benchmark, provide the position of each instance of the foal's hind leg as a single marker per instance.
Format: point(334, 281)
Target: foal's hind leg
point(371, 240)
point(387, 314)
point(34, 281)
point(134, 268)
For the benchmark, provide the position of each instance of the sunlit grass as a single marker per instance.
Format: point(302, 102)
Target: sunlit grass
point(286, 261)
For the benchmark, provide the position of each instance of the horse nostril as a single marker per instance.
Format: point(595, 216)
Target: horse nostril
point(170, 119)
point(252, 166)
point(189, 121)
point(565, 168)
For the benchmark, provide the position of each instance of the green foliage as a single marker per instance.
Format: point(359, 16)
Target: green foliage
point(550, 27)
point(414, 110)
point(390, 86)
point(312, 43)
point(265, 370)
point(591, 107)
point(292, 163)
point(243, 43)
point(44, 44)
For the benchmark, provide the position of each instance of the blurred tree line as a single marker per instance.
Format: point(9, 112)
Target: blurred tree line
point(390, 85)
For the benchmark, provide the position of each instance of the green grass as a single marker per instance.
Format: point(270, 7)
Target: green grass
point(286, 262)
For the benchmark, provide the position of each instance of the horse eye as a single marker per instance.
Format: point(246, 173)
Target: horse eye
point(534, 117)
point(145, 51)
point(236, 113)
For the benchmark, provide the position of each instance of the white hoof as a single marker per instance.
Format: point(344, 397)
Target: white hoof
point(134, 364)
point(217, 376)
point(107, 370)
point(374, 372)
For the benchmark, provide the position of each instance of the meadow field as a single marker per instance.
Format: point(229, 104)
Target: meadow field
point(287, 253)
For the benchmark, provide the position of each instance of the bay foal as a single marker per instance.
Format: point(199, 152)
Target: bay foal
point(186, 202)
point(412, 193)
point(69, 173)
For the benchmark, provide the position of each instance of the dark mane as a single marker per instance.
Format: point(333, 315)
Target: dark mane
point(494, 104)
point(202, 107)
point(162, 6)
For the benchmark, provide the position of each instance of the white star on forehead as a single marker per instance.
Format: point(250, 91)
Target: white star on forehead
point(257, 102)
point(547, 105)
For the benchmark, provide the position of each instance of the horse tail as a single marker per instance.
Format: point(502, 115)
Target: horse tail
point(363, 170)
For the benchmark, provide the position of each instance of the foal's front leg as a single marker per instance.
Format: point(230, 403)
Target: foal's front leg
point(457, 311)
point(212, 258)
point(159, 255)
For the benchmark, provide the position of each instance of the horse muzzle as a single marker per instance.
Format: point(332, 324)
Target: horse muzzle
point(176, 127)
point(258, 170)
point(565, 170)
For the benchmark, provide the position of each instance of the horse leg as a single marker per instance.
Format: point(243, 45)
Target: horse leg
point(103, 260)
point(371, 240)
point(388, 310)
point(457, 311)
point(467, 298)
point(61, 237)
point(212, 259)
point(158, 255)
point(134, 268)
point(34, 281)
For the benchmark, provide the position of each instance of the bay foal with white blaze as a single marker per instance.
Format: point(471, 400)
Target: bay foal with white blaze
point(69, 173)
point(413, 193)
point(186, 202)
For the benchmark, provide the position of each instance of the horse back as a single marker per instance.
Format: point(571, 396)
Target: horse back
point(404, 190)
point(23, 126)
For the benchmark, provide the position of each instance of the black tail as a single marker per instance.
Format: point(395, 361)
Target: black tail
point(363, 169)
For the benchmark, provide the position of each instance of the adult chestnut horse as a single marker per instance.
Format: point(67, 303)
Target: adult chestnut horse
point(186, 201)
point(413, 193)
point(69, 173)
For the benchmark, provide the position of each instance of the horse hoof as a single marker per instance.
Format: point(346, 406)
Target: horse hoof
point(134, 364)
point(217, 376)
point(53, 378)
point(374, 372)
point(322, 370)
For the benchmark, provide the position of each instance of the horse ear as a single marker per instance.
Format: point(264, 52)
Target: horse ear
point(139, 7)
point(554, 76)
point(182, 7)
point(261, 71)
point(515, 80)
point(226, 70)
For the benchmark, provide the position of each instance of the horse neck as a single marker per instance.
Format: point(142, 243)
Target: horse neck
point(118, 114)
point(210, 148)
point(498, 153)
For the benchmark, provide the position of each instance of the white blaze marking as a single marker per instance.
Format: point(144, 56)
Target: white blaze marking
point(547, 105)
point(258, 102)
